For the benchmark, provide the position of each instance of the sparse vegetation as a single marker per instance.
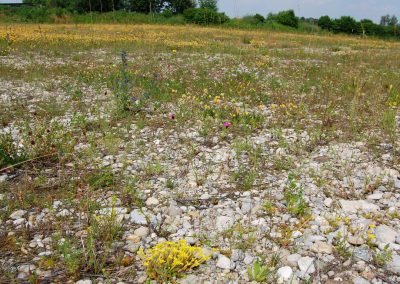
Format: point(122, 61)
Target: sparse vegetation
point(254, 143)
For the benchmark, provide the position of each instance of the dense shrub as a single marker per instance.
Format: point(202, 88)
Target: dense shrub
point(209, 4)
point(346, 24)
point(204, 16)
point(287, 18)
point(326, 23)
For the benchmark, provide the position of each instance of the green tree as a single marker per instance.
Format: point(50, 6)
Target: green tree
point(178, 6)
point(143, 6)
point(204, 16)
point(368, 27)
point(346, 24)
point(326, 23)
point(209, 4)
point(287, 18)
point(259, 19)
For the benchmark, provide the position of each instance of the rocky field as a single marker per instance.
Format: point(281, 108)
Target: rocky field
point(179, 154)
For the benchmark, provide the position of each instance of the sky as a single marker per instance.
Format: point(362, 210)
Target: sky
point(10, 1)
point(359, 9)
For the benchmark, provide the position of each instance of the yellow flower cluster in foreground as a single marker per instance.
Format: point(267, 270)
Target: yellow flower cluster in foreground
point(169, 260)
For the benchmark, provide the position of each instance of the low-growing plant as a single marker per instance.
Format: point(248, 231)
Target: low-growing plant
point(122, 87)
point(10, 154)
point(383, 257)
point(259, 273)
point(341, 247)
point(170, 260)
point(6, 43)
point(71, 255)
point(294, 197)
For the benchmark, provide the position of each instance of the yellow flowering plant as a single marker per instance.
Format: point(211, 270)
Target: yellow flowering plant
point(169, 260)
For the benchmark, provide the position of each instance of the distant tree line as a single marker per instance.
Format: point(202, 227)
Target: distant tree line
point(205, 12)
point(141, 6)
point(389, 26)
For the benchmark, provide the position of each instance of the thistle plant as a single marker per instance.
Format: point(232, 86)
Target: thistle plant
point(122, 86)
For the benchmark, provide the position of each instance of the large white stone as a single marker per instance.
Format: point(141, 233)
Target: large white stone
point(223, 262)
point(385, 234)
point(17, 214)
point(354, 206)
point(152, 202)
point(394, 264)
point(284, 274)
point(223, 223)
point(306, 264)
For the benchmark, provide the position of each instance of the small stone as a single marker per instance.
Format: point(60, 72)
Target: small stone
point(347, 263)
point(138, 217)
point(174, 211)
point(284, 274)
point(152, 202)
point(133, 238)
point(362, 253)
point(223, 262)
point(3, 178)
point(375, 196)
point(223, 223)
point(142, 232)
point(394, 264)
point(397, 183)
point(321, 247)
point(360, 280)
point(385, 234)
point(85, 281)
point(17, 214)
point(190, 279)
point(354, 206)
point(22, 275)
point(248, 259)
point(306, 264)
point(132, 247)
point(355, 240)
point(296, 234)
point(292, 259)
point(328, 202)
point(26, 268)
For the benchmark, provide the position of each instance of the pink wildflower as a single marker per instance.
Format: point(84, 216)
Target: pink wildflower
point(171, 116)
point(227, 124)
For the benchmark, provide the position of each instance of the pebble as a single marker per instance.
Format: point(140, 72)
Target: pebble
point(385, 234)
point(85, 281)
point(362, 253)
point(152, 202)
point(26, 268)
point(328, 202)
point(306, 264)
point(142, 232)
point(394, 264)
point(355, 240)
point(284, 274)
point(223, 223)
point(375, 196)
point(174, 211)
point(354, 206)
point(223, 262)
point(292, 259)
point(321, 247)
point(17, 214)
point(360, 280)
point(138, 217)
